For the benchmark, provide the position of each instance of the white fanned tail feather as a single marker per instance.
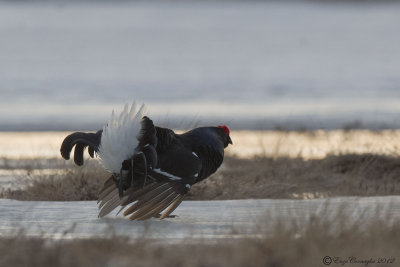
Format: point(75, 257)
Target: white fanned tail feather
point(119, 139)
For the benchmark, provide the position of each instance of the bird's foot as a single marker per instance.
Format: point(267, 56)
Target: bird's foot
point(158, 216)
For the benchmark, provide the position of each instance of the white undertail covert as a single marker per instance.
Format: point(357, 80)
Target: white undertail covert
point(119, 139)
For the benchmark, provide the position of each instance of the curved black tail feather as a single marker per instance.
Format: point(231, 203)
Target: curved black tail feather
point(80, 140)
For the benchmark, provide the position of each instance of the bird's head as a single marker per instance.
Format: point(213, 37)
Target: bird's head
point(224, 132)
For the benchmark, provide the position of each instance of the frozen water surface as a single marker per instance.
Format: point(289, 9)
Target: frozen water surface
point(197, 220)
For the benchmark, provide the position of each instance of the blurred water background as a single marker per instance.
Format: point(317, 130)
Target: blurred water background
point(64, 65)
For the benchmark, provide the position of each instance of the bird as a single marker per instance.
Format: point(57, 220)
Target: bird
point(152, 168)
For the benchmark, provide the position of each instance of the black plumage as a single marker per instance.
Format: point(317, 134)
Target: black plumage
point(163, 168)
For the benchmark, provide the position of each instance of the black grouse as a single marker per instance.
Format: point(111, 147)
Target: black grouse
point(152, 167)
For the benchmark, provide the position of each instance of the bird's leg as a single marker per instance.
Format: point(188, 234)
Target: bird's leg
point(137, 157)
point(121, 185)
point(131, 172)
point(123, 182)
point(145, 168)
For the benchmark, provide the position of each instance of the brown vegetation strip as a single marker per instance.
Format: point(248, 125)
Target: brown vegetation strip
point(262, 177)
point(343, 175)
point(73, 184)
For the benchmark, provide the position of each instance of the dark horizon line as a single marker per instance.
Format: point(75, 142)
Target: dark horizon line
point(194, 1)
point(233, 125)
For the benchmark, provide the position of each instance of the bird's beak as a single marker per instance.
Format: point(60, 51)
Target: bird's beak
point(229, 140)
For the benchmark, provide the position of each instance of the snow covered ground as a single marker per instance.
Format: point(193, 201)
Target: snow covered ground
point(197, 220)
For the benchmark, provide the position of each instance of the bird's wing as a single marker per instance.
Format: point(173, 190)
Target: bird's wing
point(211, 159)
point(165, 138)
point(165, 190)
point(80, 140)
point(208, 146)
point(148, 201)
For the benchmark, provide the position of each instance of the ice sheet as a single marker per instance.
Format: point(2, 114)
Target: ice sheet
point(197, 220)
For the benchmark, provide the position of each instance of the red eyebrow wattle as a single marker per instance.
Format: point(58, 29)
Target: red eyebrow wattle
point(225, 128)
